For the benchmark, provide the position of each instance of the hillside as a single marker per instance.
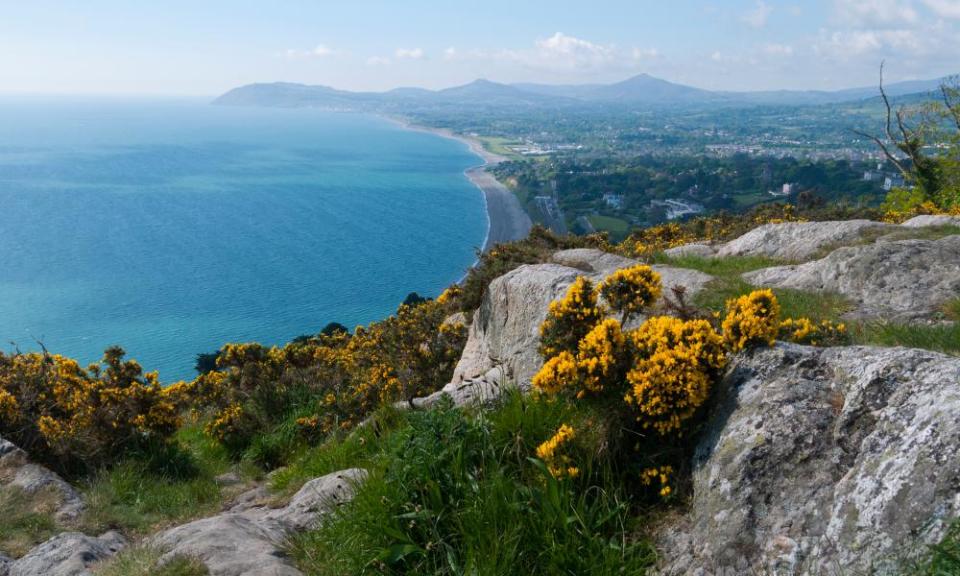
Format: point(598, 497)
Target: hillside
point(806, 428)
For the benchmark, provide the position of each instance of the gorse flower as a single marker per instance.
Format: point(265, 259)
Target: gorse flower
point(751, 320)
point(675, 364)
point(805, 331)
point(558, 373)
point(630, 290)
point(553, 452)
point(602, 357)
point(660, 475)
point(569, 319)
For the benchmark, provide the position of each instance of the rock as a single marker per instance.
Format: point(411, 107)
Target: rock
point(822, 461)
point(480, 390)
point(5, 562)
point(929, 220)
point(902, 280)
point(17, 470)
point(248, 540)
point(798, 241)
point(505, 332)
point(68, 554)
point(695, 249)
point(227, 479)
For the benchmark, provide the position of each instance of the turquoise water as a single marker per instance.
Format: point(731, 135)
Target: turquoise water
point(171, 227)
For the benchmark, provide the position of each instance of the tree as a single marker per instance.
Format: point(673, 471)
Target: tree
point(910, 131)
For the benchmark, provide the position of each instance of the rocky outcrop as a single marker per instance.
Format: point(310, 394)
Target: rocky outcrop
point(798, 241)
point(18, 471)
point(248, 540)
point(902, 280)
point(695, 249)
point(823, 461)
point(68, 554)
point(928, 220)
point(506, 328)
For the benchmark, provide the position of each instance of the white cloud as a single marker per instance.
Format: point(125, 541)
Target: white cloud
point(845, 44)
point(758, 16)
point(716, 57)
point(944, 8)
point(320, 51)
point(778, 49)
point(450, 53)
point(645, 53)
point(378, 61)
point(863, 13)
point(410, 54)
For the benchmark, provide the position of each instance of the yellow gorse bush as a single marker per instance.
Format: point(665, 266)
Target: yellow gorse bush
point(76, 417)
point(554, 454)
point(660, 475)
point(570, 318)
point(751, 319)
point(806, 331)
point(675, 364)
point(601, 357)
point(558, 373)
point(630, 290)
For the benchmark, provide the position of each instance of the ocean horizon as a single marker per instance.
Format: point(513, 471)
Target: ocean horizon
point(170, 227)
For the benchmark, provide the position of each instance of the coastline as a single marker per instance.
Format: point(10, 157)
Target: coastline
point(506, 219)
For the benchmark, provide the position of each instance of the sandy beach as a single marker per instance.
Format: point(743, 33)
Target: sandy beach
point(507, 220)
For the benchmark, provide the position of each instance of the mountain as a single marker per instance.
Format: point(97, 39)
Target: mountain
point(638, 91)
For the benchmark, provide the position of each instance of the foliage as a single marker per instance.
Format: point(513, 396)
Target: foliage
point(602, 357)
point(751, 319)
point(453, 492)
point(570, 318)
point(78, 419)
point(630, 290)
point(314, 387)
point(145, 561)
point(944, 558)
point(675, 364)
point(27, 520)
point(806, 331)
point(553, 452)
point(558, 373)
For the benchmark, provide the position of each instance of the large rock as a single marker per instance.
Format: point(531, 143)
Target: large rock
point(902, 280)
point(5, 562)
point(249, 540)
point(929, 220)
point(695, 249)
point(16, 470)
point(505, 332)
point(798, 241)
point(823, 461)
point(68, 554)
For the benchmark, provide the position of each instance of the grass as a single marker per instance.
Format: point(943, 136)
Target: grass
point(615, 226)
point(144, 561)
point(143, 494)
point(27, 520)
point(937, 337)
point(454, 492)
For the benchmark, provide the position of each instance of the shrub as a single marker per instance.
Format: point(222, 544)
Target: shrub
point(331, 382)
point(751, 319)
point(553, 454)
point(558, 373)
point(602, 358)
point(675, 364)
point(78, 419)
point(630, 290)
point(806, 331)
point(570, 319)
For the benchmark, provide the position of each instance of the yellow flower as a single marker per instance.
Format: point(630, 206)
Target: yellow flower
point(552, 453)
point(558, 373)
point(630, 290)
point(751, 319)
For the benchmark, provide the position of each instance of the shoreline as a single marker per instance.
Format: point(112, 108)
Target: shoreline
point(506, 219)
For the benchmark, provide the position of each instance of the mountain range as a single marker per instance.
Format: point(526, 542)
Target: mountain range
point(638, 91)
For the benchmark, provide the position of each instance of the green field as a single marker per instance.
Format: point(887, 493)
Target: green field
point(615, 226)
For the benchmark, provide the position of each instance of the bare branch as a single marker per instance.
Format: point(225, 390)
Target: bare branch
point(886, 152)
point(953, 109)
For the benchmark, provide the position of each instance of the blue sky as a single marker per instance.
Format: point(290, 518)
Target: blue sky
point(206, 47)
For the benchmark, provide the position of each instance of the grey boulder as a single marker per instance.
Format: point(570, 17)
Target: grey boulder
point(67, 554)
point(823, 461)
point(799, 241)
point(18, 471)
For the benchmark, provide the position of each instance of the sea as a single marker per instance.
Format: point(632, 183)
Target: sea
point(171, 227)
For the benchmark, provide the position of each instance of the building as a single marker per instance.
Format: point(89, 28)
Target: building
point(613, 200)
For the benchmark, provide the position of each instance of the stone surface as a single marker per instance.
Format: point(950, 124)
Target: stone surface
point(798, 241)
point(505, 332)
point(67, 554)
point(695, 249)
point(927, 220)
point(823, 461)
point(5, 562)
point(902, 280)
point(248, 540)
point(17, 470)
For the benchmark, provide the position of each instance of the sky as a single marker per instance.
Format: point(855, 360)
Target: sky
point(205, 47)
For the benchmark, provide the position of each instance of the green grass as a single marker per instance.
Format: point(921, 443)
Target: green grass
point(499, 145)
point(141, 494)
point(26, 520)
point(937, 337)
point(944, 558)
point(615, 226)
point(143, 561)
point(454, 492)
point(729, 268)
